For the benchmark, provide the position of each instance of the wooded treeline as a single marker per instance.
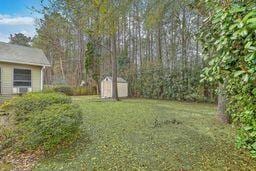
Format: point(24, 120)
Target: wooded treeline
point(152, 43)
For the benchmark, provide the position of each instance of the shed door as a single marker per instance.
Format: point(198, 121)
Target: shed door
point(108, 88)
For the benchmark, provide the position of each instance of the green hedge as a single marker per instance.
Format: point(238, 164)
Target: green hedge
point(82, 91)
point(42, 120)
point(63, 89)
point(70, 91)
point(22, 105)
point(230, 34)
point(51, 127)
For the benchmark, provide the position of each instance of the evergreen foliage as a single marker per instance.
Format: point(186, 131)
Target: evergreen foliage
point(20, 39)
point(41, 121)
point(229, 37)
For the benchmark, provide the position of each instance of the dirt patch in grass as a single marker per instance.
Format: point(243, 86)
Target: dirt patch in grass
point(20, 161)
point(158, 123)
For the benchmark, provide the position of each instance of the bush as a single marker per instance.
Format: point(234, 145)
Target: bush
point(41, 120)
point(80, 91)
point(242, 106)
point(71, 91)
point(64, 89)
point(48, 89)
point(233, 63)
point(55, 125)
point(23, 105)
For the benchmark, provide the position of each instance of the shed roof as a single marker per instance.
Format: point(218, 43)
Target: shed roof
point(22, 55)
point(119, 79)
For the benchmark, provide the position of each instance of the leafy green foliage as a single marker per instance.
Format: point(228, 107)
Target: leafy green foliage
point(41, 120)
point(123, 60)
point(20, 39)
point(89, 56)
point(82, 91)
point(92, 61)
point(158, 83)
point(67, 90)
point(71, 91)
point(229, 38)
point(21, 106)
point(55, 125)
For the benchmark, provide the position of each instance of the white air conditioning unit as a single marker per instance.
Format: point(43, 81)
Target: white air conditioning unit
point(18, 90)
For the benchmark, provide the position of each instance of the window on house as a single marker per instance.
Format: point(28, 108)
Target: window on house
point(22, 78)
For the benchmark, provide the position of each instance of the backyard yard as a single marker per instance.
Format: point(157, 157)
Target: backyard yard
point(140, 134)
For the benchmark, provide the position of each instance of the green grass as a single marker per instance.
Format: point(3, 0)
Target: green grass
point(139, 134)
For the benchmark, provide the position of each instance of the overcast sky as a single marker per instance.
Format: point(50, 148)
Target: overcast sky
point(16, 16)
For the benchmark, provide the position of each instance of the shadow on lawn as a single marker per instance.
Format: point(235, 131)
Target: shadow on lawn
point(73, 149)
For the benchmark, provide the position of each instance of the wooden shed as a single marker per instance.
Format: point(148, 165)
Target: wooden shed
point(106, 87)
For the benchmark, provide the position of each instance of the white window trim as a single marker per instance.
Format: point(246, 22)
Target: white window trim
point(23, 69)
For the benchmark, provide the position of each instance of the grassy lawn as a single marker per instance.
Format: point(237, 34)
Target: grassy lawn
point(139, 134)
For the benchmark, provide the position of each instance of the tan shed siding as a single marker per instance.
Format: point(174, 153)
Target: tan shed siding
point(122, 89)
point(106, 89)
point(7, 76)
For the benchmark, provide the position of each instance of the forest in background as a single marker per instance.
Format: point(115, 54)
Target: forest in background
point(153, 43)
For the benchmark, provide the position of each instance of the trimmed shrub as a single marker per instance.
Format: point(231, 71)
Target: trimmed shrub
point(80, 91)
point(41, 120)
point(71, 91)
point(48, 89)
point(21, 106)
point(64, 89)
point(55, 125)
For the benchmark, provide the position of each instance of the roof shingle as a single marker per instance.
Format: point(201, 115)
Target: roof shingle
point(22, 55)
point(119, 79)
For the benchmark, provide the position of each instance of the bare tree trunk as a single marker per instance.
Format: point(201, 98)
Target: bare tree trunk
point(114, 69)
point(62, 69)
point(173, 42)
point(140, 45)
point(61, 54)
point(222, 116)
point(184, 49)
point(147, 47)
point(197, 41)
point(151, 47)
point(159, 43)
point(80, 57)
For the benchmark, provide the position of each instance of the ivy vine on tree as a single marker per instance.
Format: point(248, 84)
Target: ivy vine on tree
point(228, 38)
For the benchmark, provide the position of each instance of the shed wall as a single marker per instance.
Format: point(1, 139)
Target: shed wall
point(106, 89)
point(122, 89)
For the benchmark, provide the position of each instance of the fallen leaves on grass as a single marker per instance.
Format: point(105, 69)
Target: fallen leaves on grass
point(21, 161)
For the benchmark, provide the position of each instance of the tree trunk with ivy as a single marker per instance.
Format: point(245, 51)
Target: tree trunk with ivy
point(221, 109)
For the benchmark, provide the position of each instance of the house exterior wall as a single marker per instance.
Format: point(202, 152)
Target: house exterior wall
point(7, 70)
